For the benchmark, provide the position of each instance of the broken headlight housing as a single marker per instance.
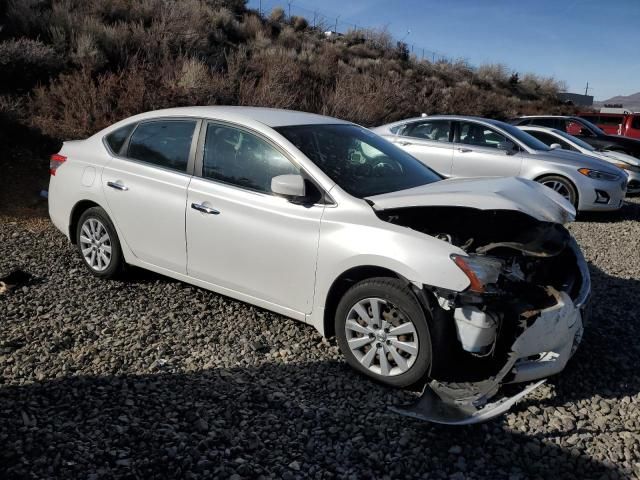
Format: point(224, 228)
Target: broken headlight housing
point(480, 270)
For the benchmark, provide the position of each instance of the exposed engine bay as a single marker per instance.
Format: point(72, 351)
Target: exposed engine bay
point(520, 319)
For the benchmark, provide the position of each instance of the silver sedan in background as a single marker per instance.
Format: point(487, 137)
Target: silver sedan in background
point(554, 137)
point(458, 146)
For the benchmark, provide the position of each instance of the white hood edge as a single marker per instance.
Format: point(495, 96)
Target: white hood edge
point(503, 193)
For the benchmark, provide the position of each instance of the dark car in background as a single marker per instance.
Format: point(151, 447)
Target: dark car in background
point(585, 130)
point(625, 124)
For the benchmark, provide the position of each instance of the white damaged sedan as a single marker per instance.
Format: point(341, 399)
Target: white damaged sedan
point(462, 285)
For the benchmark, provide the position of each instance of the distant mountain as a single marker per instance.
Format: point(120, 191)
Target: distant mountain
point(631, 102)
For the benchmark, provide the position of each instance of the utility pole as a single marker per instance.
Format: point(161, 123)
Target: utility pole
point(586, 90)
point(289, 3)
point(336, 29)
point(260, 8)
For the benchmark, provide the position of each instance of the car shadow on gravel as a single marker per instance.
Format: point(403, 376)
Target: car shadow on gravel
point(284, 421)
point(321, 420)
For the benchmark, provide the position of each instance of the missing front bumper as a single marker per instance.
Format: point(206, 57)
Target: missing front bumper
point(548, 340)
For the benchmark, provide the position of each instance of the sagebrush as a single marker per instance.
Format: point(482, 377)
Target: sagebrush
point(72, 67)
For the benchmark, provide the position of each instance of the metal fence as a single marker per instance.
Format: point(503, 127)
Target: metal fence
point(331, 22)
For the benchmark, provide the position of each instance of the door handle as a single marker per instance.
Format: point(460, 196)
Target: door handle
point(465, 150)
point(117, 186)
point(404, 144)
point(204, 209)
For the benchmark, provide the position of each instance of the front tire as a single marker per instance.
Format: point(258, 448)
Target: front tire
point(98, 244)
point(382, 332)
point(561, 185)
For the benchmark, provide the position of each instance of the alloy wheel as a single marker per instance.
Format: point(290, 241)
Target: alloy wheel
point(381, 337)
point(559, 187)
point(95, 244)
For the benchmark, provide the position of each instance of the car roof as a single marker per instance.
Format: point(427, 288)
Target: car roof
point(497, 123)
point(272, 117)
point(548, 116)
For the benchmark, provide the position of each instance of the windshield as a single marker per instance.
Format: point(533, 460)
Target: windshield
point(576, 140)
point(359, 161)
point(524, 137)
point(589, 125)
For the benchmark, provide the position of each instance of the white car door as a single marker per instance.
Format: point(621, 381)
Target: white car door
point(240, 236)
point(476, 153)
point(146, 190)
point(430, 142)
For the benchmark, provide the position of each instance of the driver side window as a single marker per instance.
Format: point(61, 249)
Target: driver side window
point(479, 135)
point(242, 159)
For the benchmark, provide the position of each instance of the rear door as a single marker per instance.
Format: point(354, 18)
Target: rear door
point(430, 142)
point(145, 184)
point(476, 153)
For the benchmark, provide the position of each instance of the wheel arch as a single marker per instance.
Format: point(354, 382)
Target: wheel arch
point(78, 209)
point(343, 282)
point(561, 175)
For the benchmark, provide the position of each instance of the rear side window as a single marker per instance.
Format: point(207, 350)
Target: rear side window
point(116, 139)
point(165, 143)
point(609, 120)
point(436, 130)
point(239, 158)
point(635, 122)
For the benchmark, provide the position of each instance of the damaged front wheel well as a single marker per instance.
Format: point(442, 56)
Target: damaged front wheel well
point(340, 286)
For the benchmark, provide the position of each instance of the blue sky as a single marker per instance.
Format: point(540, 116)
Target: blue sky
point(572, 40)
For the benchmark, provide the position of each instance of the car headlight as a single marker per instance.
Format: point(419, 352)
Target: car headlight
point(481, 271)
point(598, 174)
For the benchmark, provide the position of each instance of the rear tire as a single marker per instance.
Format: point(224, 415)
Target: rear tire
point(561, 185)
point(382, 332)
point(98, 244)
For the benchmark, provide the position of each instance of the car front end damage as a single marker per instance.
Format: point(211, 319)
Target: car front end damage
point(520, 319)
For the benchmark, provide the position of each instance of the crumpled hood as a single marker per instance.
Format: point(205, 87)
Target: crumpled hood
point(500, 193)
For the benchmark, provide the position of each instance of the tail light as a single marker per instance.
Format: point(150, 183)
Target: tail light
point(55, 161)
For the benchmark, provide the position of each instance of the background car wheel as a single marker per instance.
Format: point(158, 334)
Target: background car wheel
point(98, 244)
point(382, 332)
point(562, 186)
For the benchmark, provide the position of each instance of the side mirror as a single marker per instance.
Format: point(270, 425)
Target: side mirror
point(290, 186)
point(508, 147)
point(555, 146)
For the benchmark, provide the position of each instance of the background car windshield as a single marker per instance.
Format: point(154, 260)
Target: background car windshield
point(576, 140)
point(359, 161)
point(524, 137)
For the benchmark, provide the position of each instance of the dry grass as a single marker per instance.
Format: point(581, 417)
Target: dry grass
point(120, 57)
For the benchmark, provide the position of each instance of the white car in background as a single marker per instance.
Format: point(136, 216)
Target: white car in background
point(471, 147)
point(554, 137)
point(323, 221)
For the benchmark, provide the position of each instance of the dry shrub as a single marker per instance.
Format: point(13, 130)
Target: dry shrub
point(277, 15)
point(94, 104)
point(367, 98)
point(25, 62)
point(272, 80)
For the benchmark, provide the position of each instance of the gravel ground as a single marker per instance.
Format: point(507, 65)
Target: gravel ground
point(150, 377)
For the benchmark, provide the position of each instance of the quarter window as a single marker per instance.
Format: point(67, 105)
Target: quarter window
point(239, 158)
point(116, 139)
point(165, 143)
point(479, 135)
point(436, 130)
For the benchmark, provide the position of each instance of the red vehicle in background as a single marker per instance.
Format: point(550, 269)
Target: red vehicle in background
point(625, 124)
